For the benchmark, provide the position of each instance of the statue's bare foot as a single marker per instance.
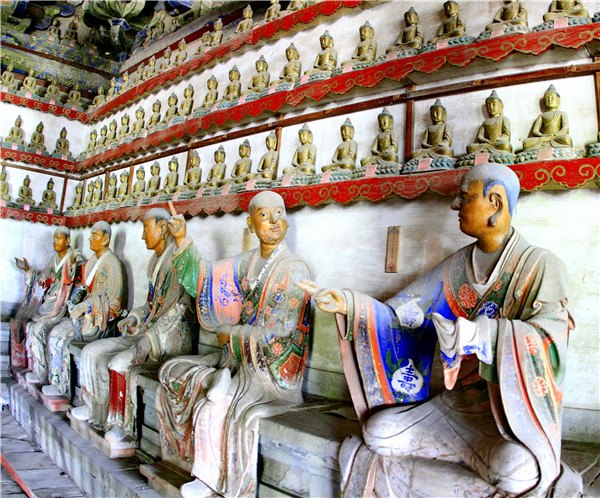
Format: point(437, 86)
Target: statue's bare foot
point(51, 390)
point(219, 386)
point(197, 489)
point(32, 378)
point(81, 413)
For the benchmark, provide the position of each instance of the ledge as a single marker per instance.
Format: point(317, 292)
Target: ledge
point(44, 106)
point(44, 160)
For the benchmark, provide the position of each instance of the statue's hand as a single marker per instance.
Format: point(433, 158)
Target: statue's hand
point(176, 225)
point(23, 264)
point(127, 325)
point(143, 350)
point(327, 300)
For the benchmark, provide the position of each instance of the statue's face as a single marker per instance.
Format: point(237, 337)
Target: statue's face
point(347, 132)
point(112, 181)
point(290, 54)
point(140, 175)
point(50, 186)
point(304, 136)
point(261, 65)
point(113, 125)
point(437, 114)
point(60, 242)
point(154, 170)
point(212, 84)
point(326, 42)
point(474, 210)
point(234, 75)
point(451, 8)
point(411, 17)
point(90, 187)
point(153, 233)
point(103, 131)
point(269, 223)
point(172, 100)
point(271, 143)
point(219, 156)
point(551, 100)
point(366, 32)
point(26, 182)
point(156, 106)
point(494, 107)
point(385, 122)
point(244, 151)
point(123, 178)
point(39, 128)
point(98, 239)
point(247, 14)
point(172, 166)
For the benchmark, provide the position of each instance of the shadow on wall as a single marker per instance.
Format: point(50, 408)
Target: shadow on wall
point(119, 243)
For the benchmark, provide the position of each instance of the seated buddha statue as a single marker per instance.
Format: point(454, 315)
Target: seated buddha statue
point(293, 67)
point(139, 187)
point(99, 99)
point(216, 36)
point(204, 42)
point(165, 61)
point(233, 89)
point(296, 5)
point(551, 128)
point(243, 166)
point(344, 157)
point(267, 166)
point(8, 78)
point(101, 141)
point(98, 193)
point(25, 194)
point(172, 179)
point(273, 12)
point(54, 30)
point(411, 36)
point(30, 82)
point(78, 198)
point(92, 141)
point(138, 75)
point(112, 88)
point(385, 145)
point(171, 109)
point(37, 138)
point(71, 32)
point(90, 194)
point(326, 59)
point(193, 175)
point(111, 138)
point(15, 134)
point(261, 79)
point(62, 144)
point(4, 191)
point(140, 123)
point(74, 97)
point(111, 190)
point(155, 117)
point(366, 50)
point(181, 54)
point(125, 83)
point(124, 129)
point(153, 186)
point(123, 186)
point(305, 155)
point(49, 196)
point(246, 23)
point(217, 172)
point(452, 26)
point(493, 135)
point(52, 91)
point(188, 101)
point(437, 139)
point(211, 96)
point(149, 69)
point(512, 13)
point(565, 8)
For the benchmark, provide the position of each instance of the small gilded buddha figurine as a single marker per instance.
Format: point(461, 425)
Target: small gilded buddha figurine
point(344, 157)
point(216, 36)
point(154, 182)
point(411, 37)
point(385, 145)
point(112, 133)
point(366, 50)
point(138, 76)
point(511, 14)
point(181, 54)
point(125, 83)
point(92, 141)
point(140, 123)
point(212, 95)
point(273, 12)
point(111, 190)
point(437, 139)
point(37, 138)
point(551, 128)
point(15, 134)
point(217, 172)
point(452, 26)
point(4, 193)
point(246, 23)
point(172, 109)
point(165, 61)
point(204, 42)
point(78, 199)
point(293, 67)
point(261, 79)
point(62, 144)
point(112, 88)
point(25, 194)
point(326, 59)
point(100, 98)
point(90, 194)
point(74, 98)
point(242, 167)
point(101, 142)
point(233, 89)
point(172, 179)
point(8, 78)
point(49, 196)
point(565, 8)
point(296, 5)
point(493, 135)
point(188, 101)
point(97, 197)
point(30, 82)
point(267, 166)
point(52, 91)
point(156, 117)
point(139, 187)
point(124, 129)
point(123, 187)
point(305, 156)
point(194, 173)
point(54, 30)
point(149, 69)
point(71, 31)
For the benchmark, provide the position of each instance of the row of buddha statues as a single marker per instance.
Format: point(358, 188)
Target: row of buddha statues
point(25, 194)
point(36, 143)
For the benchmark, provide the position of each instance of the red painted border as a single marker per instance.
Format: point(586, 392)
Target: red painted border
point(40, 105)
point(38, 159)
point(33, 216)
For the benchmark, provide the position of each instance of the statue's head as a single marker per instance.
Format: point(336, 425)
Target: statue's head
point(437, 112)
point(124, 176)
point(261, 64)
point(156, 233)
point(94, 134)
point(291, 53)
point(267, 218)
point(112, 179)
point(155, 168)
point(27, 181)
point(50, 184)
point(152, 61)
point(218, 24)
point(140, 174)
point(247, 13)
point(212, 83)
point(245, 148)
point(189, 91)
point(347, 129)
point(61, 239)
point(172, 99)
point(411, 16)
point(194, 159)
point(326, 40)
point(551, 98)
point(220, 154)
point(234, 73)
point(494, 104)
point(40, 127)
point(385, 119)
point(173, 164)
point(79, 188)
point(11, 66)
point(139, 113)
point(305, 135)
point(271, 141)
point(18, 121)
point(90, 187)
point(100, 237)
point(140, 69)
point(366, 31)
point(451, 8)
point(31, 72)
point(63, 133)
point(113, 125)
point(125, 77)
point(156, 106)
point(125, 119)
point(487, 200)
point(182, 45)
point(103, 130)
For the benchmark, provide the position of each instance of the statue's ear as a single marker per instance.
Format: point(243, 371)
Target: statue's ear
point(164, 230)
point(250, 223)
point(498, 204)
point(106, 240)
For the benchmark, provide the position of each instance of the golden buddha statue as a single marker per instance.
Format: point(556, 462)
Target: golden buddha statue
point(165, 61)
point(181, 54)
point(344, 157)
point(194, 173)
point(565, 8)
point(123, 187)
point(90, 195)
point(366, 50)
point(149, 68)
point(296, 5)
point(217, 172)
point(246, 23)
point(233, 89)
point(293, 67)
point(411, 36)
point(139, 187)
point(100, 98)
point(261, 79)
point(37, 138)
point(71, 31)
point(25, 194)
point(52, 91)
point(140, 123)
point(62, 144)
point(101, 142)
point(216, 36)
point(243, 166)
point(494, 133)
point(385, 145)
point(4, 193)
point(125, 83)
point(49, 196)
point(212, 95)
point(112, 88)
point(204, 42)
point(30, 82)
point(172, 179)
point(267, 166)
point(92, 141)
point(305, 156)
point(74, 98)
point(326, 59)
point(273, 12)
point(78, 199)
point(124, 129)
point(156, 117)
point(8, 78)
point(512, 13)
point(138, 75)
point(98, 193)
point(551, 128)
point(437, 139)
point(452, 26)
point(111, 190)
point(154, 183)
point(112, 133)
point(172, 109)
point(188, 101)
point(15, 134)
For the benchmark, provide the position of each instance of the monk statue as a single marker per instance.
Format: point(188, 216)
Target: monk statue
point(512, 16)
point(246, 23)
point(154, 183)
point(4, 193)
point(52, 91)
point(498, 308)
point(155, 117)
point(217, 172)
point(98, 193)
point(111, 190)
point(172, 179)
point(8, 78)
point(99, 99)
point(565, 8)
point(125, 83)
point(216, 36)
point(92, 141)
point(78, 199)
point(62, 144)
point(233, 89)
point(139, 125)
point(296, 5)
point(25, 194)
point(124, 129)
point(37, 138)
point(123, 186)
point(293, 67)
point(139, 187)
point(326, 60)
point(258, 375)
point(160, 329)
point(385, 145)
point(74, 97)
point(149, 69)
point(29, 83)
point(267, 166)
point(261, 79)
point(49, 196)
point(15, 134)
point(165, 60)
point(181, 54)
point(92, 319)
point(452, 26)
point(90, 194)
point(188, 101)
point(366, 50)
point(101, 142)
point(410, 38)
point(273, 12)
point(193, 175)
point(243, 166)
point(344, 157)
point(112, 88)
point(172, 109)
point(437, 139)
point(211, 96)
point(305, 156)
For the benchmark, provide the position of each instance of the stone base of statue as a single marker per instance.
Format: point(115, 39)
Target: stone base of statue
point(64, 157)
point(129, 202)
point(28, 94)
point(475, 159)
point(333, 175)
point(52, 403)
point(179, 119)
point(226, 104)
point(139, 134)
point(36, 150)
point(315, 76)
point(123, 449)
point(164, 197)
point(351, 66)
point(292, 177)
point(282, 87)
point(200, 111)
point(504, 30)
point(548, 153)
point(147, 199)
point(426, 164)
point(448, 42)
point(594, 150)
point(250, 96)
point(561, 22)
point(379, 168)
point(74, 107)
point(13, 146)
point(398, 54)
point(596, 17)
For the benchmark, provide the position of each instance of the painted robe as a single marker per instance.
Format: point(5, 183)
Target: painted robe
point(521, 309)
point(105, 294)
point(166, 318)
point(266, 355)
